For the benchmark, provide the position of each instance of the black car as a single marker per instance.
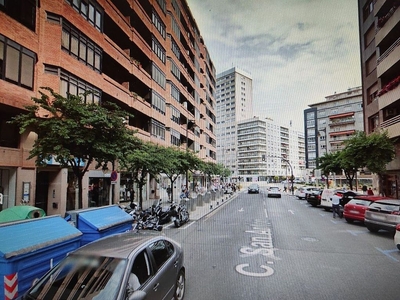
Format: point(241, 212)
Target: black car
point(253, 189)
point(314, 197)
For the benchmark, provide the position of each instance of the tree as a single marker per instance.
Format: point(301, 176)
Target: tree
point(329, 163)
point(76, 134)
point(373, 151)
point(142, 161)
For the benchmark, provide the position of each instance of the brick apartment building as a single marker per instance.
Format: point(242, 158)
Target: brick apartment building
point(147, 56)
point(379, 25)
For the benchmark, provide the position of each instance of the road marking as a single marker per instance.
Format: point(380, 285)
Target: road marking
point(266, 213)
point(388, 253)
point(190, 224)
point(240, 210)
point(355, 232)
point(291, 211)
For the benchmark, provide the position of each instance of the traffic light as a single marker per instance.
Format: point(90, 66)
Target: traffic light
point(263, 157)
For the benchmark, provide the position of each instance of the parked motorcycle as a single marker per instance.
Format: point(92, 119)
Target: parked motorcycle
point(182, 214)
point(164, 214)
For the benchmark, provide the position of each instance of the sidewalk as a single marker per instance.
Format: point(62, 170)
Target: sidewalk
point(198, 208)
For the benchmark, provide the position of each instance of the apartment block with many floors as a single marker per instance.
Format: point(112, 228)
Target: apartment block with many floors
point(379, 27)
point(147, 56)
point(268, 151)
point(234, 103)
point(328, 124)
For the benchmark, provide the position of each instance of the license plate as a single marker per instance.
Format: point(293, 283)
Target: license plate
point(356, 212)
point(380, 218)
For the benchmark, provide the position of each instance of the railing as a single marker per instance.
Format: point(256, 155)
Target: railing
point(390, 122)
point(388, 51)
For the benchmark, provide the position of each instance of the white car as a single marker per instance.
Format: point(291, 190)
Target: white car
point(274, 191)
point(301, 192)
point(397, 237)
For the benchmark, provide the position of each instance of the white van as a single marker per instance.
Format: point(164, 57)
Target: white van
point(326, 198)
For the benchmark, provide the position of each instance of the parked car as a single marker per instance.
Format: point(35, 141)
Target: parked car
point(274, 191)
point(123, 266)
point(301, 191)
point(327, 194)
point(383, 214)
point(397, 236)
point(253, 188)
point(314, 197)
point(355, 209)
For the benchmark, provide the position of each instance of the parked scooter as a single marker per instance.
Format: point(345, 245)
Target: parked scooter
point(182, 215)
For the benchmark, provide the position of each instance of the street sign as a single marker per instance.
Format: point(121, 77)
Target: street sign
point(114, 176)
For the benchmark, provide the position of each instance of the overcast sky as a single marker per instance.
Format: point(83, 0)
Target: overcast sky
point(297, 51)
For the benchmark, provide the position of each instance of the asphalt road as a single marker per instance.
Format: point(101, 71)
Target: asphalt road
point(256, 247)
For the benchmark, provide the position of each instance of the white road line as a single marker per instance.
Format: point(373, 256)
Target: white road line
point(291, 211)
point(266, 213)
point(190, 224)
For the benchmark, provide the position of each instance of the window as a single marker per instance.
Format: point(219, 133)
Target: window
point(162, 5)
point(162, 251)
point(78, 45)
point(158, 102)
point(141, 267)
point(90, 10)
point(158, 24)
point(175, 70)
point(158, 76)
point(16, 63)
point(74, 86)
point(175, 138)
point(175, 92)
point(175, 115)
point(175, 28)
point(9, 135)
point(175, 48)
point(157, 129)
point(24, 11)
point(158, 49)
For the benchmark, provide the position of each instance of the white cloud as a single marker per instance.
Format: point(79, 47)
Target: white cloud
point(298, 51)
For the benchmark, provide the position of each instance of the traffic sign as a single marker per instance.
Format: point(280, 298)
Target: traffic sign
point(114, 176)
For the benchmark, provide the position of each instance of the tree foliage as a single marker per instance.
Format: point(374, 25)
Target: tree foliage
point(372, 152)
point(76, 134)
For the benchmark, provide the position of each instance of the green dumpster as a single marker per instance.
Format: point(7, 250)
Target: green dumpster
point(21, 212)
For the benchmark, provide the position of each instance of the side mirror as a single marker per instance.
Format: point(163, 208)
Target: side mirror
point(138, 295)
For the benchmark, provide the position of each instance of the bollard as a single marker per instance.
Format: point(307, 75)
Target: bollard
point(192, 203)
point(213, 195)
point(199, 200)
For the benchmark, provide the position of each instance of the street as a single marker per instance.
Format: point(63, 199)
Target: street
point(256, 247)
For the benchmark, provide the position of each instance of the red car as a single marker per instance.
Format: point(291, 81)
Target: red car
point(355, 209)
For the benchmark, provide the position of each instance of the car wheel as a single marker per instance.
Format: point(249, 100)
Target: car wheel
point(372, 228)
point(398, 246)
point(180, 286)
point(349, 220)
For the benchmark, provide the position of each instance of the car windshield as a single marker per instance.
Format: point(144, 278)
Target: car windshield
point(274, 188)
point(385, 206)
point(81, 277)
point(253, 186)
point(360, 202)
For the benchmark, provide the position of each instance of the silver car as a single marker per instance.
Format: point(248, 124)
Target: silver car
point(131, 265)
point(383, 214)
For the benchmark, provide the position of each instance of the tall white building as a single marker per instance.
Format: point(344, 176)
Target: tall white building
point(267, 150)
point(234, 103)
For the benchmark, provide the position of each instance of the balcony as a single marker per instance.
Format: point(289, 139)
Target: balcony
point(392, 126)
point(389, 97)
point(387, 27)
point(388, 59)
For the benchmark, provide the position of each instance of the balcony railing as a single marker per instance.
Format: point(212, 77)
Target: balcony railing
point(382, 20)
point(390, 122)
point(388, 51)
